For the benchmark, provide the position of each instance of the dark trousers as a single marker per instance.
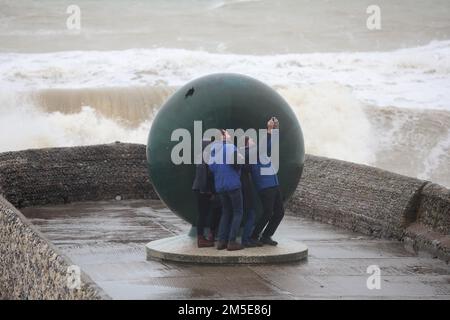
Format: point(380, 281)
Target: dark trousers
point(232, 212)
point(249, 225)
point(209, 212)
point(204, 206)
point(273, 212)
point(216, 214)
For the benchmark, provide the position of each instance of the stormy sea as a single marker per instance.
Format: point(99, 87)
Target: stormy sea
point(377, 97)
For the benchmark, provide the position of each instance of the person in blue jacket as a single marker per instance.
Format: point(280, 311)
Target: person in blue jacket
point(269, 192)
point(223, 165)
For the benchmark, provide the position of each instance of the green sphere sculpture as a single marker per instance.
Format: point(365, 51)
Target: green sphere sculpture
point(228, 101)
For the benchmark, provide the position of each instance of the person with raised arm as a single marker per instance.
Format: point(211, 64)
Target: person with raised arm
point(269, 191)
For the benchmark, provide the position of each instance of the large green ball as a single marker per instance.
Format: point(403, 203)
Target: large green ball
point(220, 101)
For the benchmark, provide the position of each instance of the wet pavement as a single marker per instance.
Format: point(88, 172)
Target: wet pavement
point(107, 240)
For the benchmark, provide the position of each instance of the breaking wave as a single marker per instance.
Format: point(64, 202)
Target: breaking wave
point(388, 109)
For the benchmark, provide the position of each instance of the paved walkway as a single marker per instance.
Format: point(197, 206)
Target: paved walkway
point(106, 239)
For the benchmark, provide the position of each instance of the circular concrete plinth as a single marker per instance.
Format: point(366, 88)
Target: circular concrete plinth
point(184, 249)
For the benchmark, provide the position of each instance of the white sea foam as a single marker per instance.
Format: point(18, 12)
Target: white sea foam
point(77, 98)
point(333, 122)
point(437, 163)
point(408, 78)
point(23, 126)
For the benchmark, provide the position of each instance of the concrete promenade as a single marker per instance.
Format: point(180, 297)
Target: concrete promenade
point(107, 240)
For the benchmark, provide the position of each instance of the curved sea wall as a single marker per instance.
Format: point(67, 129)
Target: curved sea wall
point(352, 196)
point(431, 230)
point(31, 267)
point(375, 202)
point(63, 175)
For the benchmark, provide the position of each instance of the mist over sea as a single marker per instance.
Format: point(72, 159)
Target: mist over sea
point(377, 97)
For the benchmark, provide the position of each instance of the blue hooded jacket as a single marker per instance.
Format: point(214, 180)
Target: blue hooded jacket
point(264, 181)
point(226, 175)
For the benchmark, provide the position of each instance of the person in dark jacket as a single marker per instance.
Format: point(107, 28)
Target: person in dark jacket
point(248, 198)
point(269, 192)
point(228, 185)
point(208, 210)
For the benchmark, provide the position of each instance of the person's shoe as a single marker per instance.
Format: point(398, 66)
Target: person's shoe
point(269, 241)
point(256, 242)
point(202, 242)
point(211, 236)
point(249, 244)
point(221, 245)
point(233, 246)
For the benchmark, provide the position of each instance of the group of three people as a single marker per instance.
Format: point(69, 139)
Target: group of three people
point(224, 194)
